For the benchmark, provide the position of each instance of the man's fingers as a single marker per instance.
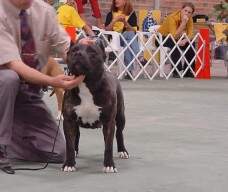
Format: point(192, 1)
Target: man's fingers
point(87, 41)
point(74, 82)
point(68, 78)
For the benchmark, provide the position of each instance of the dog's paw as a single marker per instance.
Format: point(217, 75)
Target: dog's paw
point(59, 116)
point(110, 170)
point(68, 169)
point(124, 155)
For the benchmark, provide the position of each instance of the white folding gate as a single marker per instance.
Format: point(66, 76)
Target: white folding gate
point(151, 61)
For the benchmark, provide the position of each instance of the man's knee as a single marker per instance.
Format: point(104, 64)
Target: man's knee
point(9, 79)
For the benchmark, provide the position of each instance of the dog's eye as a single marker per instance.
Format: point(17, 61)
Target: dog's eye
point(75, 49)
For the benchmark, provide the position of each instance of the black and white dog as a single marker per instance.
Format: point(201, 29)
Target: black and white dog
point(95, 103)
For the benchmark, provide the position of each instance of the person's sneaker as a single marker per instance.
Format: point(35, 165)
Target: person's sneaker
point(127, 77)
point(190, 75)
point(4, 162)
point(175, 75)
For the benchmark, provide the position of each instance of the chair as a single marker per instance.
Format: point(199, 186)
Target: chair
point(219, 29)
point(143, 13)
point(221, 37)
point(112, 38)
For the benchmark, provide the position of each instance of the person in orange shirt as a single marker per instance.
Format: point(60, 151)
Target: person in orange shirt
point(68, 17)
point(177, 24)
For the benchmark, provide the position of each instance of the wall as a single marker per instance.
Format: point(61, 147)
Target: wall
point(166, 6)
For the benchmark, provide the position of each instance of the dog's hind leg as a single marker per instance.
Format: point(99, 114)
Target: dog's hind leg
point(77, 142)
point(120, 124)
point(70, 131)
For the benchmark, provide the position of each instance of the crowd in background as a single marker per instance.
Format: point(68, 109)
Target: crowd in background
point(122, 18)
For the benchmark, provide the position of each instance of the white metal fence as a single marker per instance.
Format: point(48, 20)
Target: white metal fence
point(150, 61)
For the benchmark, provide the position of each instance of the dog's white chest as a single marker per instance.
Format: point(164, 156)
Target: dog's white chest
point(87, 110)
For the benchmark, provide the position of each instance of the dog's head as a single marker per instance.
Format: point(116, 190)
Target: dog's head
point(86, 60)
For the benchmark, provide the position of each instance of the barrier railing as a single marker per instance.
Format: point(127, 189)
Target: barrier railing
point(150, 61)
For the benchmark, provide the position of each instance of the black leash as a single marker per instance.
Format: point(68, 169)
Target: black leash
point(46, 164)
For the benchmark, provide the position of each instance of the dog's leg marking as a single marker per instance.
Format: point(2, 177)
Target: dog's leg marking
point(110, 170)
point(59, 116)
point(124, 155)
point(69, 169)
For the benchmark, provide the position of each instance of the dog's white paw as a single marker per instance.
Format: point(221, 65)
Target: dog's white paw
point(110, 170)
point(123, 155)
point(59, 116)
point(68, 169)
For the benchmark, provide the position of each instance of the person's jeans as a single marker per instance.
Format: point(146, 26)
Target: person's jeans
point(128, 56)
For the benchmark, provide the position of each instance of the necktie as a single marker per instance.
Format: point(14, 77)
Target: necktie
point(28, 49)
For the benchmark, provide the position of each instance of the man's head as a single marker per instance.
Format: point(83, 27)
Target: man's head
point(22, 4)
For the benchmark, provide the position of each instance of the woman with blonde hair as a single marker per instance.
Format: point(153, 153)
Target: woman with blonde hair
point(122, 18)
point(176, 24)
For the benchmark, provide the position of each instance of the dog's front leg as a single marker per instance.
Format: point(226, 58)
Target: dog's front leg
point(70, 131)
point(108, 131)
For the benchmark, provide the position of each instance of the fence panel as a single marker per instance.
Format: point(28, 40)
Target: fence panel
point(152, 58)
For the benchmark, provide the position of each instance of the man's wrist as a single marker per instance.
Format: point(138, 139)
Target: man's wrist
point(50, 81)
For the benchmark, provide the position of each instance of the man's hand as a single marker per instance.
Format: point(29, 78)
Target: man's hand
point(33, 76)
point(86, 41)
point(66, 82)
point(182, 42)
point(120, 18)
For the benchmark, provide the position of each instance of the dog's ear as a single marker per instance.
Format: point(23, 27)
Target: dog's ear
point(101, 43)
point(68, 59)
point(72, 44)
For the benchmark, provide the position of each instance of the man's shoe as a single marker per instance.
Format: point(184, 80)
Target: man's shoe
point(5, 164)
point(8, 170)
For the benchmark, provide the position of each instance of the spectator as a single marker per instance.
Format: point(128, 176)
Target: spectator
point(177, 24)
point(69, 17)
point(122, 18)
point(95, 8)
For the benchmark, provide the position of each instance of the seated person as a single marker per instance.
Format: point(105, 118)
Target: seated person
point(69, 17)
point(122, 18)
point(177, 24)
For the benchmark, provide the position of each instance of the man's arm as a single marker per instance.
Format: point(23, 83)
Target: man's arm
point(57, 35)
point(88, 30)
point(182, 27)
point(36, 77)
